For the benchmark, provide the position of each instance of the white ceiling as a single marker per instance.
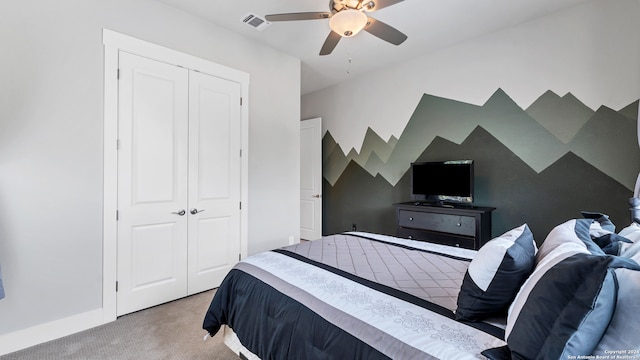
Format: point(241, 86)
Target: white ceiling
point(430, 25)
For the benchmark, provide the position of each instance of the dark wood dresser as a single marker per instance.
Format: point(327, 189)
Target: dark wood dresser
point(464, 226)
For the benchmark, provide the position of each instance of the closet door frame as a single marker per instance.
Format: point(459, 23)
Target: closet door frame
point(115, 42)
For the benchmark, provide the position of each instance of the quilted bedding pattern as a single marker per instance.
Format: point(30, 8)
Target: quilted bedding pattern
point(421, 273)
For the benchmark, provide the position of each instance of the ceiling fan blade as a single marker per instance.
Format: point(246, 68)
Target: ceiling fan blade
point(379, 4)
point(298, 16)
point(330, 43)
point(385, 32)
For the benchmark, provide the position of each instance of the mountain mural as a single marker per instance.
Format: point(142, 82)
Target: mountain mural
point(502, 180)
point(540, 135)
point(562, 116)
point(609, 141)
point(542, 165)
point(631, 110)
point(373, 155)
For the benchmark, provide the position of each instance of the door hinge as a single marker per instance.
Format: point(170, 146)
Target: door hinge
point(117, 215)
point(240, 205)
point(118, 144)
point(240, 101)
point(116, 286)
point(240, 152)
point(118, 74)
point(239, 257)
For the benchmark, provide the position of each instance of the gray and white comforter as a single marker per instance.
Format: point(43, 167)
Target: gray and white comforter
point(351, 296)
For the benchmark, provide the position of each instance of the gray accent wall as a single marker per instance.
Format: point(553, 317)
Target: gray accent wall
point(538, 165)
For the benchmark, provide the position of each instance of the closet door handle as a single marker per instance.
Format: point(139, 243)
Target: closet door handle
point(180, 213)
point(195, 211)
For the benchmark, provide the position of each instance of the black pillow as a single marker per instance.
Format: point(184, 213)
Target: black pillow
point(498, 353)
point(495, 275)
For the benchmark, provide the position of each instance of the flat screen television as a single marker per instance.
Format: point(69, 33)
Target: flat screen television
point(442, 181)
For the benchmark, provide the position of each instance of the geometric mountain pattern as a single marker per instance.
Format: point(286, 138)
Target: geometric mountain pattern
point(540, 135)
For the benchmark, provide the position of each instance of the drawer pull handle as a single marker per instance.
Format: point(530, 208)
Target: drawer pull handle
point(459, 224)
point(410, 219)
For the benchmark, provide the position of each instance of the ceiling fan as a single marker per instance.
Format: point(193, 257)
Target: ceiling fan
point(346, 19)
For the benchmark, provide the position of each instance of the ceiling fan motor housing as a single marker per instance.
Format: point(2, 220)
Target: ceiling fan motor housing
point(339, 5)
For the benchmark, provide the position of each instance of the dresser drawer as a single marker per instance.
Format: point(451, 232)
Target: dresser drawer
point(438, 238)
point(446, 223)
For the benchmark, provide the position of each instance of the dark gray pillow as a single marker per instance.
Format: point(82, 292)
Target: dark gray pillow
point(495, 275)
point(567, 306)
point(576, 299)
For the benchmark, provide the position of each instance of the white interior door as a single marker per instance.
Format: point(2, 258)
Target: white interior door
point(214, 180)
point(152, 183)
point(311, 179)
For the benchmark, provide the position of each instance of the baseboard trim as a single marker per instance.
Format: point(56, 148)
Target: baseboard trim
point(38, 334)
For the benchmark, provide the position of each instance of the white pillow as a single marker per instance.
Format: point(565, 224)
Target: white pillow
point(631, 232)
point(562, 234)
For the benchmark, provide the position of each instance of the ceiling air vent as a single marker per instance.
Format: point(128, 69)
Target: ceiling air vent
point(255, 21)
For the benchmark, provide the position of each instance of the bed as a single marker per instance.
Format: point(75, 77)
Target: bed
point(368, 296)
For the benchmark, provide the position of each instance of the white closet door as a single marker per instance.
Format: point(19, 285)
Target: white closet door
point(214, 179)
point(152, 183)
point(311, 179)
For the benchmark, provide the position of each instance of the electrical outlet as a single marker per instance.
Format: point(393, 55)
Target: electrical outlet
point(292, 240)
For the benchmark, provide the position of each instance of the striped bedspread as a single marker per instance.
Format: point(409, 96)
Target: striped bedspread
point(354, 295)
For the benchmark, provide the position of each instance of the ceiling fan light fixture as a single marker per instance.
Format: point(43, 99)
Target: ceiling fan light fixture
point(348, 22)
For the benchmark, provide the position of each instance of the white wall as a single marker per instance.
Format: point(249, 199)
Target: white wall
point(591, 50)
point(51, 92)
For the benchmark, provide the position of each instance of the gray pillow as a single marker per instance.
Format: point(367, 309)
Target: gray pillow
point(624, 329)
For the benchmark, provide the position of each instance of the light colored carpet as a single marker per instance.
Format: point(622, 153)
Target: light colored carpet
point(170, 331)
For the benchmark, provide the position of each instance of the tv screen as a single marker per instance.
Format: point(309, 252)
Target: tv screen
point(443, 181)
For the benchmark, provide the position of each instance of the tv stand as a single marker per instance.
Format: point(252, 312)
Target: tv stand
point(465, 226)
